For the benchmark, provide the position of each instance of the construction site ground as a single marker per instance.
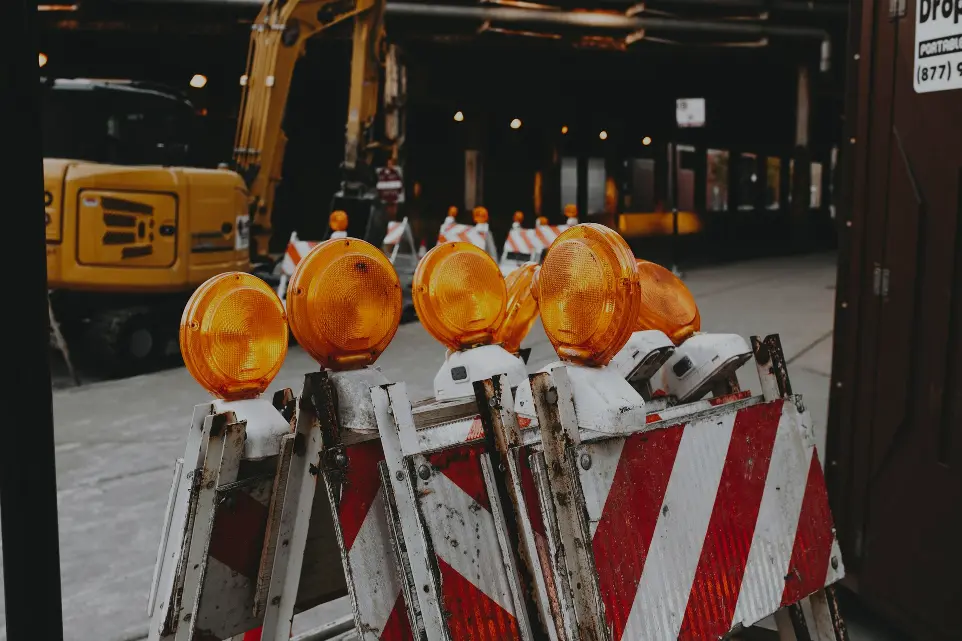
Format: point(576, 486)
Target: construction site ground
point(116, 441)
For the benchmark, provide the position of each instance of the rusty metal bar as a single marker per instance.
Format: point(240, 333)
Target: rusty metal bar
point(28, 471)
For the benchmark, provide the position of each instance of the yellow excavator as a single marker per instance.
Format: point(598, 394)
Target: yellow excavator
point(133, 228)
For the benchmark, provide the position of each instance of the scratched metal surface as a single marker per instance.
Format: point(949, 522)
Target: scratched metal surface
point(117, 440)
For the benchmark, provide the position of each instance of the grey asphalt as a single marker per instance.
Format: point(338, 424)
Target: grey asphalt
point(116, 441)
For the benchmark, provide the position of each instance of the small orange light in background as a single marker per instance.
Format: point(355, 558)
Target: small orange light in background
point(43, 59)
point(199, 81)
point(233, 335)
point(588, 294)
point(344, 301)
point(452, 212)
point(459, 295)
point(522, 308)
point(516, 123)
point(338, 220)
point(458, 117)
point(603, 135)
point(571, 211)
point(646, 141)
point(564, 130)
point(666, 303)
point(542, 221)
point(519, 217)
point(480, 215)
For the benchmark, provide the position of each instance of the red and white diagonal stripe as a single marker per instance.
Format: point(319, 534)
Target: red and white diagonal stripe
point(395, 229)
point(463, 233)
point(700, 526)
point(362, 521)
point(296, 251)
point(454, 502)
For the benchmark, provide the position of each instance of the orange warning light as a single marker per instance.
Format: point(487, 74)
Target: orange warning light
point(452, 212)
point(233, 335)
point(338, 220)
point(344, 302)
point(542, 221)
point(480, 215)
point(666, 303)
point(459, 295)
point(522, 308)
point(589, 294)
point(571, 211)
point(519, 217)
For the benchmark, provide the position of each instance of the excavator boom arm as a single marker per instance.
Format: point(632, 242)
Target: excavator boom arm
point(278, 39)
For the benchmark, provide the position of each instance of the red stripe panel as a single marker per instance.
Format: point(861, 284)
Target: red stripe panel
point(461, 466)
point(530, 492)
point(292, 252)
point(238, 535)
point(360, 487)
point(724, 554)
point(253, 635)
point(471, 614)
point(397, 627)
point(715, 401)
point(623, 537)
point(813, 539)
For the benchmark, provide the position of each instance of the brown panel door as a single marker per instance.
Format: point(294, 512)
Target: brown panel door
point(908, 465)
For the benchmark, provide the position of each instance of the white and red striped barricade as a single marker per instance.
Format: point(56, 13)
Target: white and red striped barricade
point(398, 233)
point(296, 250)
point(704, 518)
point(527, 245)
point(236, 551)
point(453, 533)
point(478, 235)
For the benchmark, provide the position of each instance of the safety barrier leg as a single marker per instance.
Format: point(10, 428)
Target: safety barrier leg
point(453, 526)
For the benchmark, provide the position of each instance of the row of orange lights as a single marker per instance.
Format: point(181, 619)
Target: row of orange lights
point(516, 124)
point(344, 307)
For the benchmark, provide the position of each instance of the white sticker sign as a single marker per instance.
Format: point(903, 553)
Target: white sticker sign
point(690, 112)
point(938, 45)
point(242, 236)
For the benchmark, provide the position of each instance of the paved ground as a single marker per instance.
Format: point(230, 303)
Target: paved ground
point(116, 441)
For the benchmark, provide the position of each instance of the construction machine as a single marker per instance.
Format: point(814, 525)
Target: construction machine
point(134, 226)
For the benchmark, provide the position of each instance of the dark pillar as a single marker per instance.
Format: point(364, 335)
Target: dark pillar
point(802, 179)
point(28, 473)
point(582, 188)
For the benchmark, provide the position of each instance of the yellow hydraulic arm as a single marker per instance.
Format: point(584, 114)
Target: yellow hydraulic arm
point(278, 40)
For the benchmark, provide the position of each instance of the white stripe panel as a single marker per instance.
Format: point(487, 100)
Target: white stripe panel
point(774, 538)
point(373, 568)
point(464, 536)
point(659, 607)
point(596, 482)
point(834, 574)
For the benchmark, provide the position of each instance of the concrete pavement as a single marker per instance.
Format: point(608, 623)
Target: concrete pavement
point(116, 441)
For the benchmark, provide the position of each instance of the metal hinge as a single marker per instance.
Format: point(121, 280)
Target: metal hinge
point(880, 281)
point(897, 9)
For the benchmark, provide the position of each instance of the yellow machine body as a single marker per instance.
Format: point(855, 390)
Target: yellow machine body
point(142, 229)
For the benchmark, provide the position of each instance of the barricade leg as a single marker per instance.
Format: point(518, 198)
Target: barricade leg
point(453, 529)
point(523, 520)
point(350, 468)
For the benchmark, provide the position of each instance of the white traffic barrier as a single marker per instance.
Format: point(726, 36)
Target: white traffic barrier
point(398, 234)
point(611, 515)
point(296, 250)
point(527, 245)
point(478, 235)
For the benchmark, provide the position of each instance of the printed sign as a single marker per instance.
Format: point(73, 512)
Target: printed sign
point(242, 237)
point(690, 112)
point(938, 45)
point(390, 185)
